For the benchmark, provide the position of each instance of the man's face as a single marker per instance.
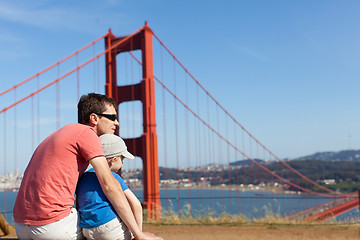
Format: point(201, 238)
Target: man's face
point(104, 124)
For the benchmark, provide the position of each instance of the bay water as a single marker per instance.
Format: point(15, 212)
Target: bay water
point(216, 202)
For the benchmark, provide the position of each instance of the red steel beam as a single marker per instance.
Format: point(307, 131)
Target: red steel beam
point(334, 211)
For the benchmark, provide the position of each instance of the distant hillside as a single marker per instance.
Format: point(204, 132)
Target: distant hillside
point(346, 155)
point(246, 162)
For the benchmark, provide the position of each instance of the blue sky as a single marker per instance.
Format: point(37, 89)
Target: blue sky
point(287, 70)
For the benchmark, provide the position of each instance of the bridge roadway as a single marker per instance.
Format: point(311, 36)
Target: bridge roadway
point(326, 211)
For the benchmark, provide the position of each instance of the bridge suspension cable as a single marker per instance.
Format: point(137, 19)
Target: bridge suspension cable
point(214, 142)
point(333, 193)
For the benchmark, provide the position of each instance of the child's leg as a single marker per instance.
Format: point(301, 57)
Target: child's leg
point(113, 230)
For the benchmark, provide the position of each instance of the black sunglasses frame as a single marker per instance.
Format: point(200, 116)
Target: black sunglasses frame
point(111, 117)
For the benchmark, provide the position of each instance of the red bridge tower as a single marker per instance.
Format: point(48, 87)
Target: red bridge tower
point(146, 145)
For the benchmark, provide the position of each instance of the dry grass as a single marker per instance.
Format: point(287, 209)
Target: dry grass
point(186, 217)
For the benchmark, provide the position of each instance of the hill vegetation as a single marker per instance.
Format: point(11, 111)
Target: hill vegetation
point(346, 155)
point(338, 171)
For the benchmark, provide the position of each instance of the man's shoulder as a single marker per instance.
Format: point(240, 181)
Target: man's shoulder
point(77, 126)
point(74, 133)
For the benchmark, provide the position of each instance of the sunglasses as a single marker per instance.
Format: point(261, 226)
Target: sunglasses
point(111, 117)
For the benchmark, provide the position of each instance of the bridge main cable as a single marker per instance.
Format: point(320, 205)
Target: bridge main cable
point(52, 66)
point(237, 149)
point(242, 127)
point(67, 74)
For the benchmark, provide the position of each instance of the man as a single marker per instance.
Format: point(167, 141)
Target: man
point(44, 205)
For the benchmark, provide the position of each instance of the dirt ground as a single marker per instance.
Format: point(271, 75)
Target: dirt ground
point(269, 232)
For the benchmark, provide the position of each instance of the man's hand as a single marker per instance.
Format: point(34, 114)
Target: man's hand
point(148, 236)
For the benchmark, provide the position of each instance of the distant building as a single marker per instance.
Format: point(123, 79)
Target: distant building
point(328, 181)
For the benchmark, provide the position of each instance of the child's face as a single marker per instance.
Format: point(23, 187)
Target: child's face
point(117, 163)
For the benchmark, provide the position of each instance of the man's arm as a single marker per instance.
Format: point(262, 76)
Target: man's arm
point(113, 191)
point(135, 207)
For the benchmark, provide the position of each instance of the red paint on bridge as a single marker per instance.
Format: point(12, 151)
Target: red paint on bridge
point(334, 211)
point(146, 145)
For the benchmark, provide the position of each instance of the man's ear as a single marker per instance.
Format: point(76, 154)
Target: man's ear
point(93, 119)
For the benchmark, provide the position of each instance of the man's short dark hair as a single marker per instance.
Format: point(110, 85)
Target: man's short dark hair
point(92, 103)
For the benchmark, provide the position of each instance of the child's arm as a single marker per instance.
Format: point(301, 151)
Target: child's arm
point(135, 207)
point(113, 191)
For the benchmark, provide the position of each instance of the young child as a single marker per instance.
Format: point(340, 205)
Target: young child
point(97, 216)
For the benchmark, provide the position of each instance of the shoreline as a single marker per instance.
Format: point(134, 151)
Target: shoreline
point(272, 190)
point(252, 231)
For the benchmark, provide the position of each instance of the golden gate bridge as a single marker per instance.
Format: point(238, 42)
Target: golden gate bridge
point(167, 118)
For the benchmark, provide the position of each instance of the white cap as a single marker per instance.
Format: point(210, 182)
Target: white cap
point(114, 146)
